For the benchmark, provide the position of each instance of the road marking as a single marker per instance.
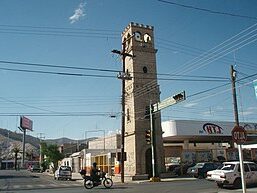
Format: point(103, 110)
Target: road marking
point(30, 186)
point(16, 186)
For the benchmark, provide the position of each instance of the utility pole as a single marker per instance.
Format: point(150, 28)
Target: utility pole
point(23, 147)
point(241, 159)
point(41, 137)
point(123, 76)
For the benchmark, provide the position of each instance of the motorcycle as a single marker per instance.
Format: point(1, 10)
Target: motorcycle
point(89, 183)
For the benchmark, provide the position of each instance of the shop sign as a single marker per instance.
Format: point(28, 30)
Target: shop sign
point(210, 128)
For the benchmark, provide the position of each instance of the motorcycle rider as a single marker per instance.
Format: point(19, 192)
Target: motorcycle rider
point(94, 173)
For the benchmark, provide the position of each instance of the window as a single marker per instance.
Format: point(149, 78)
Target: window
point(228, 167)
point(246, 168)
point(128, 115)
point(145, 69)
point(253, 167)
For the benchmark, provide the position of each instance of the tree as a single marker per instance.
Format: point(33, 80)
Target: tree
point(52, 154)
point(16, 149)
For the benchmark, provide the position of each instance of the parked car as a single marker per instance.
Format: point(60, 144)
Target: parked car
point(200, 169)
point(35, 169)
point(229, 174)
point(171, 166)
point(63, 172)
point(182, 168)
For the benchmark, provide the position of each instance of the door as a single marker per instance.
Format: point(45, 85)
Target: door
point(247, 174)
point(148, 162)
point(253, 173)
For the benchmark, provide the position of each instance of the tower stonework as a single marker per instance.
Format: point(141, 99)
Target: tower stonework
point(141, 90)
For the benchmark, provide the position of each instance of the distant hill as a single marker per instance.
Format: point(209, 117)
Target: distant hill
point(60, 141)
point(6, 135)
point(66, 140)
point(10, 139)
point(13, 136)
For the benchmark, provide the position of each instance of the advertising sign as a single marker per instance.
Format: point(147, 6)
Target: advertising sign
point(26, 123)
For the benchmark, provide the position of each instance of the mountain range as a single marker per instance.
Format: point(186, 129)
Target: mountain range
point(10, 139)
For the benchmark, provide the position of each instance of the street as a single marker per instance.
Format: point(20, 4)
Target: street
point(26, 182)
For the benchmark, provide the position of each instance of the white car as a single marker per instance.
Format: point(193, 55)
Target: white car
point(63, 172)
point(229, 174)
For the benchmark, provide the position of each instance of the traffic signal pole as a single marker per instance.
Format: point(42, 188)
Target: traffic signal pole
point(155, 108)
point(153, 143)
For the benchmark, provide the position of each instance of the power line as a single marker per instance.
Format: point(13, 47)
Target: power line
point(58, 66)
point(59, 73)
point(101, 69)
point(58, 28)
point(220, 86)
point(104, 76)
point(215, 52)
point(193, 51)
point(68, 114)
point(208, 10)
point(58, 31)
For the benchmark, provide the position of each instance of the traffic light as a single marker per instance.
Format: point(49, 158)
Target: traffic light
point(179, 97)
point(147, 112)
point(148, 136)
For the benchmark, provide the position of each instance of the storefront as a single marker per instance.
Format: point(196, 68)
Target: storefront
point(188, 141)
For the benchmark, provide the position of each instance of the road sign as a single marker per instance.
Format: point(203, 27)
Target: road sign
point(239, 135)
point(169, 101)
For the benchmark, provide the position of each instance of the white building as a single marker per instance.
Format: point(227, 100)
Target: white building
point(190, 141)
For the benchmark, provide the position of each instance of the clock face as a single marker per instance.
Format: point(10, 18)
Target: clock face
point(147, 38)
point(138, 36)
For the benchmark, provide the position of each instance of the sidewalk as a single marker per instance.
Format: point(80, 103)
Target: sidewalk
point(77, 176)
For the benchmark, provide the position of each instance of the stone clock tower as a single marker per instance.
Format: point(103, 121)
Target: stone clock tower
point(142, 89)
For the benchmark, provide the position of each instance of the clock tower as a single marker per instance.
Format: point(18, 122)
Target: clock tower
point(140, 91)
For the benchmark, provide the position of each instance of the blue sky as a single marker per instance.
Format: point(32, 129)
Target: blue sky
point(83, 33)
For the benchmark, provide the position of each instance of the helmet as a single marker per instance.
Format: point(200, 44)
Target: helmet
point(94, 164)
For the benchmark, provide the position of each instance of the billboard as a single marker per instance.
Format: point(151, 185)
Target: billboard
point(26, 123)
point(255, 87)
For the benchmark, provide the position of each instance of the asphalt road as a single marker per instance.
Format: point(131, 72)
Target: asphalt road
point(11, 180)
point(27, 182)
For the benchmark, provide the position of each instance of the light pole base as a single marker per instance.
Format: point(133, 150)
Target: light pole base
point(155, 179)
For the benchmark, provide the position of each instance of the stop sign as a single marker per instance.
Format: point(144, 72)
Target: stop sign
point(239, 135)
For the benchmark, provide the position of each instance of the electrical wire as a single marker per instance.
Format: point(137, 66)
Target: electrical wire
point(101, 69)
point(219, 49)
point(102, 76)
point(207, 10)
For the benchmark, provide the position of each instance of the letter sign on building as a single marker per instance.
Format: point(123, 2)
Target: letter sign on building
point(239, 135)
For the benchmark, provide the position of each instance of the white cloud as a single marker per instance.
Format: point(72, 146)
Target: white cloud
point(190, 104)
point(78, 13)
